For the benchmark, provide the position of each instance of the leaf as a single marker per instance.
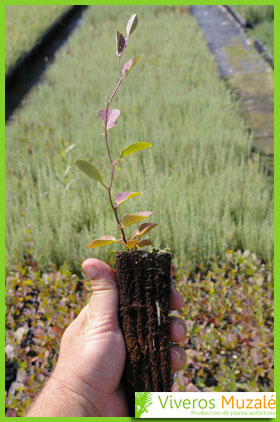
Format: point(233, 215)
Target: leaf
point(68, 149)
point(120, 42)
point(129, 219)
point(131, 24)
point(136, 146)
point(131, 243)
point(102, 241)
point(129, 65)
point(113, 115)
point(124, 196)
point(143, 229)
point(144, 242)
point(121, 241)
point(89, 169)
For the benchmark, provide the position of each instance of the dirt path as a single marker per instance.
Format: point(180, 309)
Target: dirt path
point(245, 71)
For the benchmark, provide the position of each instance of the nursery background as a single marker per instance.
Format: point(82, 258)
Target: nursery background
point(207, 179)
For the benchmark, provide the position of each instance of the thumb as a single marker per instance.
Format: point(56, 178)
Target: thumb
point(103, 303)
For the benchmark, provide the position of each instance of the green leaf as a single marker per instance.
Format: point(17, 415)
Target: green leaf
point(89, 169)
point(131, 243)
point(124, 196)
point(102, 241)
point(129, 219)
point(136, 146)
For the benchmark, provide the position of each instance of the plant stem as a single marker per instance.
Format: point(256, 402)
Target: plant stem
point(119, 61)
point(108, 102)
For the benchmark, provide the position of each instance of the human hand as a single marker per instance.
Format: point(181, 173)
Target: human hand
point(92, 353)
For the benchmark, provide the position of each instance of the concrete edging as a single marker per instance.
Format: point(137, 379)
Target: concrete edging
point(260, 47)
point(237, 17)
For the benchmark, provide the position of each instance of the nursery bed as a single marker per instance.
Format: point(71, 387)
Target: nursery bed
point(201, 181)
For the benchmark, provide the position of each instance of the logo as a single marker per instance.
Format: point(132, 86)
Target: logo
point(142, 401)
point(205, 405)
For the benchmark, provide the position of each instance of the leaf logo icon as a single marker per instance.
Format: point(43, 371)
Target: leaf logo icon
point(142, 401)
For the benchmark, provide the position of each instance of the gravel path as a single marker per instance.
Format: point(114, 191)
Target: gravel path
point(245, 71)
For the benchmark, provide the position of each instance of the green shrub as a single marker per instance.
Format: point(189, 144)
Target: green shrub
point(39, 307)
point(229, 316)
point(264, 32)
point(256, 14)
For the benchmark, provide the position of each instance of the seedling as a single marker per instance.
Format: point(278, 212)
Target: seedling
point(110, 117)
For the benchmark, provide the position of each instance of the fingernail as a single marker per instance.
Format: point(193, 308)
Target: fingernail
point(91, 272)
point(177, 354)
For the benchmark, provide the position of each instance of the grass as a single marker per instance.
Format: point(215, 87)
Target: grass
point(23, 27)
point(200, 180)
point(262, 19)
point(264, 32)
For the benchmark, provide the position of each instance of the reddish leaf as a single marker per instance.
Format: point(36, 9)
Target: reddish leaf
point(143, 229)
point(112, 117)
point(129, 65)
point(144, 242)
point(120, 42)
point(131, 24)
point(124, 196)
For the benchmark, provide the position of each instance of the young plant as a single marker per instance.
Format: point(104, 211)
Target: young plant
point(142, 278)
point(110, 117)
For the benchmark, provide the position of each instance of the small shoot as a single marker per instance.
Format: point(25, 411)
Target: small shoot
point(110, 116)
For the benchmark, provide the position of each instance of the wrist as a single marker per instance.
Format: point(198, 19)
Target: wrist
point(61, 399)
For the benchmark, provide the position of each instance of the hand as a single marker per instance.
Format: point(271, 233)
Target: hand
point(92, 352)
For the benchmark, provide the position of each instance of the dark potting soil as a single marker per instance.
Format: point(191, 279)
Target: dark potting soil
point(144, 286)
